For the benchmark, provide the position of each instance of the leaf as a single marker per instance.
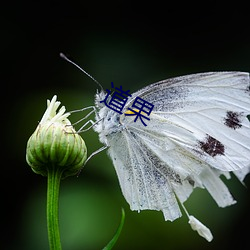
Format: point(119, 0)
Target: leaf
point(117, 234)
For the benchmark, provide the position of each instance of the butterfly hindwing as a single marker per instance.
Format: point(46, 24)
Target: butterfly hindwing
point(142, 183)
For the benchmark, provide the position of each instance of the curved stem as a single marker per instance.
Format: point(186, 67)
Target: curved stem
point(54, 177)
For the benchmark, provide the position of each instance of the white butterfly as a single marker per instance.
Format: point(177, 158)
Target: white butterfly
point(198, 130)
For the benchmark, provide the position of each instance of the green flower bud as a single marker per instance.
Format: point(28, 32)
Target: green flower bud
point(55, 144)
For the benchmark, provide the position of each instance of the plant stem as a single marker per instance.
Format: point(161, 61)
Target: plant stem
point(54, 177)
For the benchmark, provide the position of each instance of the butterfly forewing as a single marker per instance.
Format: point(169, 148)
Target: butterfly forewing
point(211, 109)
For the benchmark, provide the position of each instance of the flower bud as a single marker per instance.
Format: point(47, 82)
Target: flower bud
point(55, 144)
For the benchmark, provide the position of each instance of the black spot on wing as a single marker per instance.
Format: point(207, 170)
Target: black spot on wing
point(248, 89)
point(212, 146)
point(190, 181)
point(233, 119)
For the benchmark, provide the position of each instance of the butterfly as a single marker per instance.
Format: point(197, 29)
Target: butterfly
point(199, 130)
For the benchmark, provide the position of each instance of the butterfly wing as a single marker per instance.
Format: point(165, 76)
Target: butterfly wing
point(211, 106)
point(142, 187)
point(197, 131)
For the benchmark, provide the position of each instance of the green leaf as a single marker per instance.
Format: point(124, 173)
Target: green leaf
point(117, 234)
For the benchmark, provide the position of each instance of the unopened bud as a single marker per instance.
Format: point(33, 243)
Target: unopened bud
point(55, 143)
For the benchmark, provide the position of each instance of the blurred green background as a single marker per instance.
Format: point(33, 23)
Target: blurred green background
point(132, 45)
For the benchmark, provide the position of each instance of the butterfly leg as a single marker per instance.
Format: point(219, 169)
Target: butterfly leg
point(96, 152)
point(81, 129)
point(92, 154)
point(86, 116)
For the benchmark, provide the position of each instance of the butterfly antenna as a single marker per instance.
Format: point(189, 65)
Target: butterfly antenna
point(68, 60)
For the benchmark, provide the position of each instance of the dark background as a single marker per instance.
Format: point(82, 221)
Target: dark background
point(131, 44)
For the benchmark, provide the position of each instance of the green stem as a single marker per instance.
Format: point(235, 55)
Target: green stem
point(54, 177)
